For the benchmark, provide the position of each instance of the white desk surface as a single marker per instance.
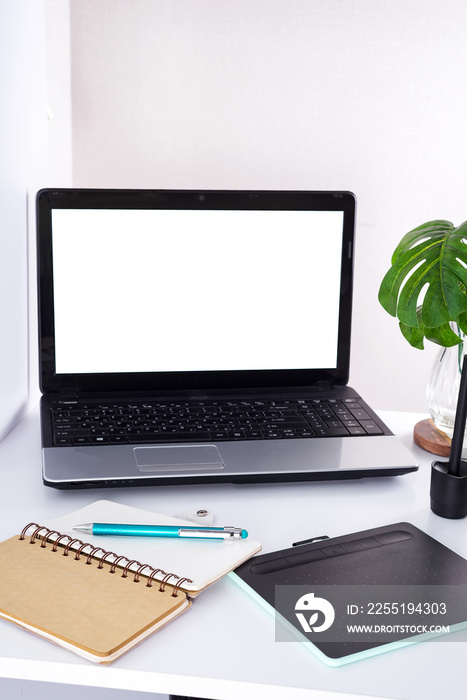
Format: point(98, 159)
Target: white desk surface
point(224, 646)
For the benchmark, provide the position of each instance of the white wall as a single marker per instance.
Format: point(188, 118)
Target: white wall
point(59, 92)
point(23, 167)
point(296, 94)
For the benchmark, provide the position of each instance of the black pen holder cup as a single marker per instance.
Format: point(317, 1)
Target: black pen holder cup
point(448, 492)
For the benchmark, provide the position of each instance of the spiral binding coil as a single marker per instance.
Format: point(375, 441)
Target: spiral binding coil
point(46, 536)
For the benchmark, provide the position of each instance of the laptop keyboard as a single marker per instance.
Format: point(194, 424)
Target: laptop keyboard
point(215, 421)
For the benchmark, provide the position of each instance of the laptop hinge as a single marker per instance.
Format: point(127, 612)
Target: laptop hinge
point(68, 395)
point(324, 385)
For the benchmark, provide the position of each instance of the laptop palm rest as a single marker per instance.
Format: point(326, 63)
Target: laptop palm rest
point(177, 458)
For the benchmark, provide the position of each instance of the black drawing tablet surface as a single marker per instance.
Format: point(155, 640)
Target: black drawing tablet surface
point(396, 577)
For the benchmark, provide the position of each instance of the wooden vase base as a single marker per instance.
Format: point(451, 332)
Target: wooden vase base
point(427, 436)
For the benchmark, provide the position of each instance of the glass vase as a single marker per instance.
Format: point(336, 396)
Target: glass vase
point(443, 388)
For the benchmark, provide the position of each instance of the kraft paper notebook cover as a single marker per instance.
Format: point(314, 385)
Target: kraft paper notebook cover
point(95, 600)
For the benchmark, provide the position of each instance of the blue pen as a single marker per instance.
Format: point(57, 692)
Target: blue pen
point(119, 530)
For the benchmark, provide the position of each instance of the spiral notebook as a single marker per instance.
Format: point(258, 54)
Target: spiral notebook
point(96, 601)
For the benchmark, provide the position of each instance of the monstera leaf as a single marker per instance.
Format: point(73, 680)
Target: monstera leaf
point(426, 286)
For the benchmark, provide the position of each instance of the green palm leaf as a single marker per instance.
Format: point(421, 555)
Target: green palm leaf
point(426, 286)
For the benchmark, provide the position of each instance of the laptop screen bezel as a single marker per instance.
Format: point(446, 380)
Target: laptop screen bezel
point(166, 382)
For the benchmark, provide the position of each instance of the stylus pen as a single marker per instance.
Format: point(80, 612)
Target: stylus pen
point(119, 530)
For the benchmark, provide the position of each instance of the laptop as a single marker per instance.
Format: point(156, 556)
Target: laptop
point(200, 337)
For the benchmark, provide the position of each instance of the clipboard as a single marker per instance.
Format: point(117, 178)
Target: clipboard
point(396, 561)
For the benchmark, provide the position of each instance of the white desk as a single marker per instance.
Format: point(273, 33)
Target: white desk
point(224, 646)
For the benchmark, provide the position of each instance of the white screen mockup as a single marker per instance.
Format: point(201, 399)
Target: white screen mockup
point(180, 290)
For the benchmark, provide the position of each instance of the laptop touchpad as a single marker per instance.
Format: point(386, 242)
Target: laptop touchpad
point(178, 458)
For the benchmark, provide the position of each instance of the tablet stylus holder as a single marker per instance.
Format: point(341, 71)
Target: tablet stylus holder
point(448, 492)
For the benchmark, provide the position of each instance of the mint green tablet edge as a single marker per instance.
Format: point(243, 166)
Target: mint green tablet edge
point(350, 658)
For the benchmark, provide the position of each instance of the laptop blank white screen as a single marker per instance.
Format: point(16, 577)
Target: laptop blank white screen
point(182, 290)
